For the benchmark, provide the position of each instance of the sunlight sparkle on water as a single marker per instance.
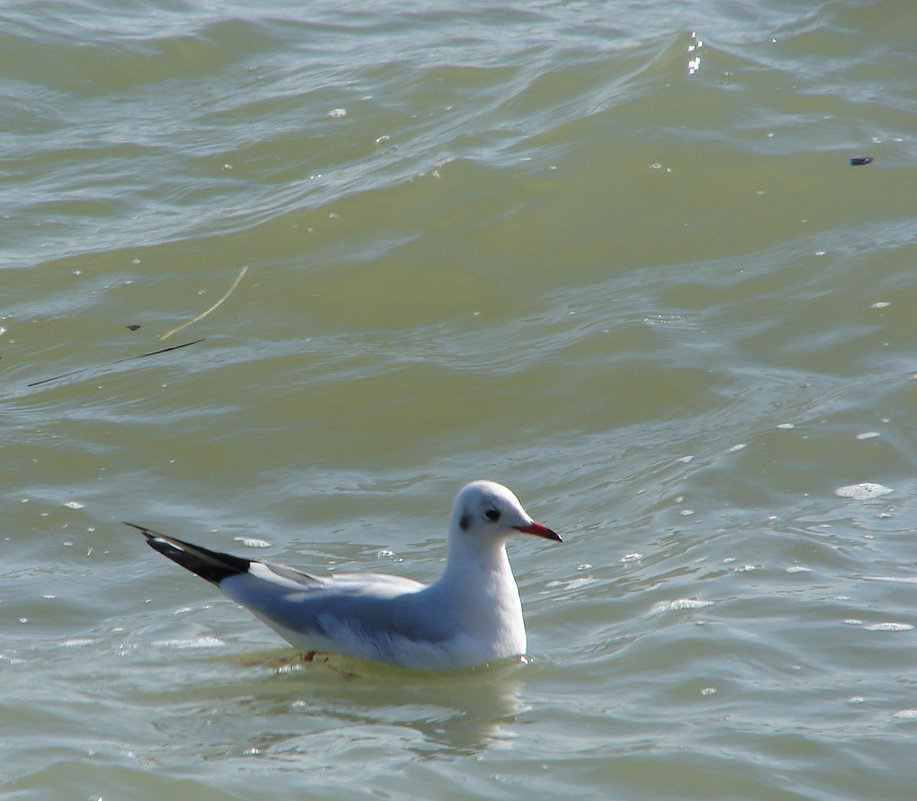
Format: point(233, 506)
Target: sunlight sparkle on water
point(863, 492)
point(889, 627)
point(693, 48)
point(678, 604)
point(251, 542)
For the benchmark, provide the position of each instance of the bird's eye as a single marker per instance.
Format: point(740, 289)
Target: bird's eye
point(492, 515)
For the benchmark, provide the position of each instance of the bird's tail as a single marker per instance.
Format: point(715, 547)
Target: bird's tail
point(213, 566)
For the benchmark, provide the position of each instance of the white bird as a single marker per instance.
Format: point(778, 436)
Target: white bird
point(469, 616)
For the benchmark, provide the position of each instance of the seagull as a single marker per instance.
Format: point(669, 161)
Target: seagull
point(470, 616)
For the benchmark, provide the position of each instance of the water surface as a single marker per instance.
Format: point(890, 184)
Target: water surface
point(613, 255)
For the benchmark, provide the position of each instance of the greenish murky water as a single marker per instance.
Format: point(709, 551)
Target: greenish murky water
point(613, 255)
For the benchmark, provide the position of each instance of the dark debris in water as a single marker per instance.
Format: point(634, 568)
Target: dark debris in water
point(115, 361)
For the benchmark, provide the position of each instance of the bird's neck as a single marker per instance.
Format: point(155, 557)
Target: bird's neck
point(471, 562)
point(479, 582)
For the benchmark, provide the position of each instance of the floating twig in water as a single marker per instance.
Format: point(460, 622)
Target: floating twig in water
point(116, 361)
point(216, 305)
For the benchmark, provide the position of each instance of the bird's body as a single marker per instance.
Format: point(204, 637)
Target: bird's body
point(471, 615)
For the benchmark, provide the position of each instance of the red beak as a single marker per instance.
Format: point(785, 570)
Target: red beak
point(539, 531)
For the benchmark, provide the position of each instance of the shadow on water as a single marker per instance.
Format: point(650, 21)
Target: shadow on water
point(462, 712)
point(283, 705)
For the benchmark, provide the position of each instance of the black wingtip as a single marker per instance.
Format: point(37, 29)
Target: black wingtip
point(212, 566)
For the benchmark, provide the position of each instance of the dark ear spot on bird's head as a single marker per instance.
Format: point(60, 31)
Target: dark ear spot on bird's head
point(464, 522)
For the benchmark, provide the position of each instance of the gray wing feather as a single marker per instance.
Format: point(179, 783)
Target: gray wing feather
point(368, 605)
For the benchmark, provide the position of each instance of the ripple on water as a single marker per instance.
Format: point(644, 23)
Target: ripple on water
point(252, 542)
point(678, 604)
point(888, 626)
point(191, 642)
point(863, 492)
